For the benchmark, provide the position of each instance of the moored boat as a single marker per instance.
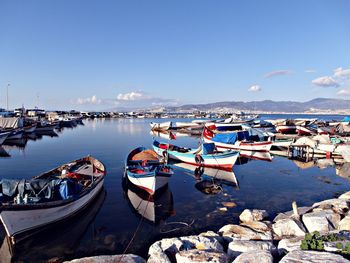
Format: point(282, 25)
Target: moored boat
point(146, 171)
point(206, 155)
point(235, 141)
point(29, 205)
point(163, 126)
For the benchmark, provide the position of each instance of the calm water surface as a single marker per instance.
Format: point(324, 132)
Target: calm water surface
point(184, 208)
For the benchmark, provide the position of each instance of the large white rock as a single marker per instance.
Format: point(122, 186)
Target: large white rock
point(345, 196)
point(322, 221)
point(288, 227)
point(290, 214)
point(127, 258)
point(253, 215)
point(289, 244)
point(254, 256)
point(235, 232)
point(195, 255)
point(168, 247)
point(236, 247)
point(257, 226)
point(344, 224)
point(312, 257)
point(340, 206)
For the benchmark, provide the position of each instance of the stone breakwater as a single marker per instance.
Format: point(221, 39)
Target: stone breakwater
point(256, 239)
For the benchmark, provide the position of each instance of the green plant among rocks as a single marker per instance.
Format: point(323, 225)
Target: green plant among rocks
point(316, 241)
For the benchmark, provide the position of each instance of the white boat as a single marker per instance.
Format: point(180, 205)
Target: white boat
point(163, 126)
point(262, 146)
point(206, 155)
point(22, 215)
point(144, 170)
point(187, 125)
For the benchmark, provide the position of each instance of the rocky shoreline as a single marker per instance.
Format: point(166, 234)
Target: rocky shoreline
point(320, 233)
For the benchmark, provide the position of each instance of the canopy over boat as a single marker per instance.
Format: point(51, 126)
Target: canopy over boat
point(11, 123)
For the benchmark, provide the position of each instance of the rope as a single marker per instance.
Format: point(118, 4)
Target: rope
point(178, 228)
point(137, 229)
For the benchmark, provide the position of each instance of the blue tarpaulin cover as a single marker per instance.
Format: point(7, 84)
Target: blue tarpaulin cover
point(208, 148)
point(225, 137)
point(243, 135)
point(68, 189)
point(347, 119)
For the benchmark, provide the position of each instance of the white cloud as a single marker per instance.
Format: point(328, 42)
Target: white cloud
point(93, 100)
point(344, 92)
point(134, 95)
point(342, 73)
point(277, 73)
point(325, 81)
point(254, 88)
point(310, 71)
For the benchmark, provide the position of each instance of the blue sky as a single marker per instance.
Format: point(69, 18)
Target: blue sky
point(84, 54)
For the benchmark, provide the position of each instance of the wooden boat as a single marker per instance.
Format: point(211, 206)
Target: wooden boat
point(3, 136)
point(144, 170)
point(29, 128)
point(64, 191)
point(45, 126)
point(206, 155)
point(15, 134)
point(235, 142)
point(163, 126)
point(286, 129)
point(304, 130)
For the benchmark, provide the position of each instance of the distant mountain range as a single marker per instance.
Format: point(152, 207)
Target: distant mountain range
point(318, 105)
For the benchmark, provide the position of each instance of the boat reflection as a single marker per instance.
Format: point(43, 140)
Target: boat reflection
point(247, 156)
point(172, 135)
point(155, 209)
point(209, 180)
point(15, 144)
point(53, 242)
point(4, 153)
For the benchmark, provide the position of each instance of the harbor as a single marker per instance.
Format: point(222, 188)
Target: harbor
point(192, 201)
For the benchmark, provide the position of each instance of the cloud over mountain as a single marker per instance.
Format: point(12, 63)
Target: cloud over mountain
point(254, 88)
point(325, 81)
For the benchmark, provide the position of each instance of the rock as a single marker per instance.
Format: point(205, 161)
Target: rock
point(236, 247)
point(301, 210)
point(235, 232)
point(212, 234)
point(312, 256)
point(321, 221)
point(229, 204)
point(344, 224)
point(257, 226)
point(253, 215)
point(288, 227)
point(254, 256)
point(127, 258)
point(332, 246)
point(168, 247)
point(340, 206)
point(194, 255)
point(290, 244)
point(345, 196)
point(158, 258)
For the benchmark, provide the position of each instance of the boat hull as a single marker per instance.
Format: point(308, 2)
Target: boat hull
point(19, 222)
point(245, 146)
point(148, 182)
point(3, 136)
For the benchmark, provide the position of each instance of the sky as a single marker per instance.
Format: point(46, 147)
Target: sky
point(96, 55)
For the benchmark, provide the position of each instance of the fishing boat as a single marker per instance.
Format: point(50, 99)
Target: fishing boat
point(146, 171)
point(163, 126)
point(3, 136)
point(31, 205)
point(15, 134)
point(235, 141)
point(45, 126)
point(206, 155)
point(29, 128)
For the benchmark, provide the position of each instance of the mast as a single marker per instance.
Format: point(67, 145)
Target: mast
point(7, 96)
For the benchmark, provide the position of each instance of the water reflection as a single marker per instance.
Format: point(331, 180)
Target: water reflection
point(3, 152)
point(154, 209)
point(60, 241)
